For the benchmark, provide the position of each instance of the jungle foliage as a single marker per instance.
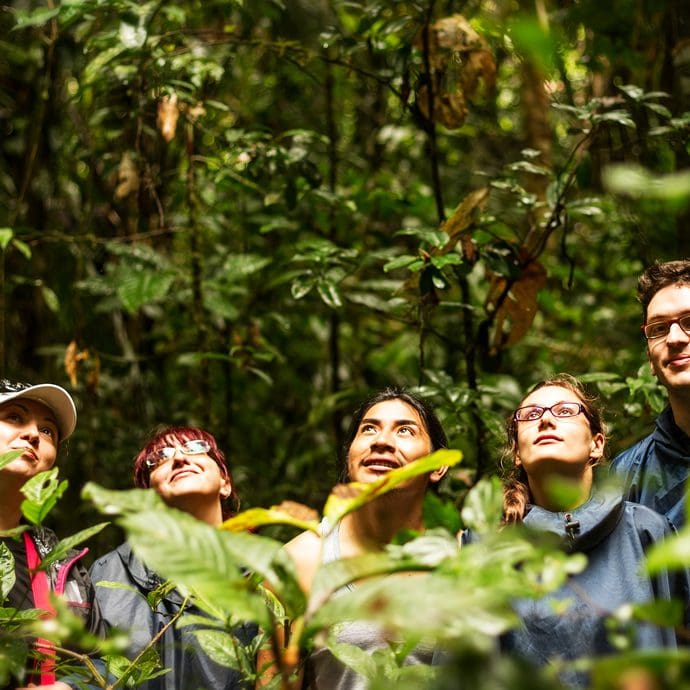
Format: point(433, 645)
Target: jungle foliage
point(248, 215)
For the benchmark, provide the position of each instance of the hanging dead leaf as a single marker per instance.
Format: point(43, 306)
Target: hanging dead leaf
point(168, 112)
point(450, 109)
point(516, 313)
point(127, 177)
point(460, 60)
point(72, 358)
point(463, 217)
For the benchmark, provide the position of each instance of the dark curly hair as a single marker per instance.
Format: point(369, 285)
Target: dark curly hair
point(660, 275)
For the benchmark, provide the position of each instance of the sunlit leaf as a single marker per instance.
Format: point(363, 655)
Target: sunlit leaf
point(260, 517)
point(9, 456)
point(7, 572)
point(111, 502)
point(65, 545)
point(42, 492)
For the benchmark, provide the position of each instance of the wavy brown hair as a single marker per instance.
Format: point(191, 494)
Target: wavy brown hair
point(516, 493)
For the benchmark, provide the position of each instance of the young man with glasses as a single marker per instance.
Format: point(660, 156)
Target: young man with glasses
point(655, 469)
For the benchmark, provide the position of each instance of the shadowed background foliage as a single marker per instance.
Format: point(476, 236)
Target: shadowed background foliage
point(246, 216)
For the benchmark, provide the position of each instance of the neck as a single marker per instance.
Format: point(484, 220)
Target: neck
point(10, 507)
point(200, 508)
point(578, 490)
point(680, 406)
point(375, 524)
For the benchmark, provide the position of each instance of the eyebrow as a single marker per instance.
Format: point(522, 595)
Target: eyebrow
point(50, 417)
point(397, 422)
point(665, 316)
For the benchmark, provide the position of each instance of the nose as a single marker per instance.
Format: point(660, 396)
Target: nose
point(385, 438)
point(30, 432)
point(179, 458)
point(676, 334)
point(545, 421)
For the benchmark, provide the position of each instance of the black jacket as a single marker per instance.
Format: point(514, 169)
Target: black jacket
point(179, 650)
point(655, 470)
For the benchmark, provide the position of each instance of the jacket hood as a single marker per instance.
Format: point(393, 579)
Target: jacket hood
point(674, 441)
point(584, 527)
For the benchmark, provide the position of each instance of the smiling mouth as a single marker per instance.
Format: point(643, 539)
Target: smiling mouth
point(181, 475)
point(679, 360)
point(381, 464)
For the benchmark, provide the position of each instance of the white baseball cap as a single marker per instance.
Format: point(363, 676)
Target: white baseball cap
point(57, 399)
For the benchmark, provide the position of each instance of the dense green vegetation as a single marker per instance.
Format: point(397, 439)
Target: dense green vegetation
point(247, 215)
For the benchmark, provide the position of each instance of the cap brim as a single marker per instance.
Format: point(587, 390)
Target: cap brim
point(57, 399)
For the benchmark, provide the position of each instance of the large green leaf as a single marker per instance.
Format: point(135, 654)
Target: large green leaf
point(211, 563)
point(110, 502)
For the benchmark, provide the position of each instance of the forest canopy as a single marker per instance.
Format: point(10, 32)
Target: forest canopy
point(248, 215)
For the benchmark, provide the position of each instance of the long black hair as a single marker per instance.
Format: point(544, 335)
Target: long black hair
point(431, 422)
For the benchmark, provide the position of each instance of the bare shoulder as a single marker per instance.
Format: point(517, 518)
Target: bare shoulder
point(305, 551)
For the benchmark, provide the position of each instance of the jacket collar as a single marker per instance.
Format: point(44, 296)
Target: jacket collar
point(584, 527)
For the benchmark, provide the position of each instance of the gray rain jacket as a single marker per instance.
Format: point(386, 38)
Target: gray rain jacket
point(179, 650)
point(614, 535)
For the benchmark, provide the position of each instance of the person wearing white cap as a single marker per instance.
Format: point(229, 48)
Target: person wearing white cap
point(35, 419)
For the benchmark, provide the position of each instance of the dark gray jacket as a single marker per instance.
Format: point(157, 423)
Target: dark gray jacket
point(655, 470)
point(179, 650)
point(614, 535)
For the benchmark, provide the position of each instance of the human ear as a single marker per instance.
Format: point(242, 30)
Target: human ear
point(437, 475)
point(597, 447)
point(226, 489)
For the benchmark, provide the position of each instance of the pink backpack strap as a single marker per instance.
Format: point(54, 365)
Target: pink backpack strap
point(41, 591)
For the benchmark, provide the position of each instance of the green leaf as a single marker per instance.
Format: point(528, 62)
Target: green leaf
point(13, 655)
point(64, 545)
point(620, 117)
point(440, 513)
point(238, 266)
point(483, 506)
point(7, 574)
point(6, 234)
point(302, 285)
point(211, 562)
point(400, 262)
point(10, 456)
point(51, 299)
point(143, 286)
point(37, 17)
point(220, 646)
point(42, 493)
point(671, 554)
point(261, 517)
point(329, 293)
point(111, 502)
point(22, 248)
